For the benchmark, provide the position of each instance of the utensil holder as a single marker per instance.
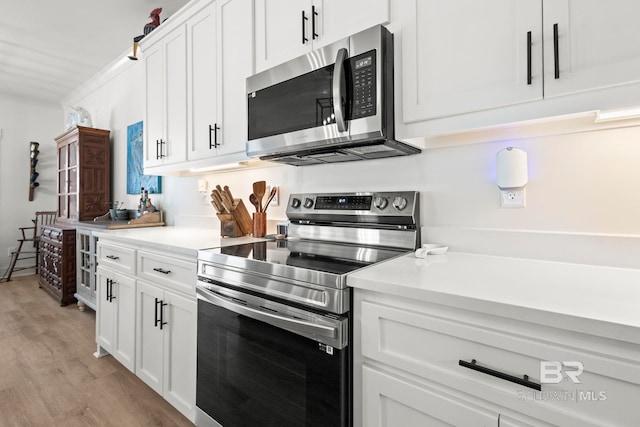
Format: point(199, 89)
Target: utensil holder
point(259, 224)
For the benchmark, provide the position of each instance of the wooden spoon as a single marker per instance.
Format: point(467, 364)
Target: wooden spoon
point(254, 201)
point(259, 188)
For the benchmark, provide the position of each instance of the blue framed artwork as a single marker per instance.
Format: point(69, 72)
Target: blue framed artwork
point(135, 176)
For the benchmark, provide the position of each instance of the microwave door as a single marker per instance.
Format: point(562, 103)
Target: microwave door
point(291, 107)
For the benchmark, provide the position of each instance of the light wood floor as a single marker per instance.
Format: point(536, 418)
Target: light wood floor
point(49, 377)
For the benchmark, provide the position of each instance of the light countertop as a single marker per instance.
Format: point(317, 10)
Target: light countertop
point(602, 301)
point(177, 239)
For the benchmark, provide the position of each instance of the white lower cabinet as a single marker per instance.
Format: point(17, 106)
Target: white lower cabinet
point(424, 364)
point(115, 313)
point(390, 401)
point(147, 315)
point(166, 344)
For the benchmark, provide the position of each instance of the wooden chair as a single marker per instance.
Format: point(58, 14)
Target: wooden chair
point(30, 235)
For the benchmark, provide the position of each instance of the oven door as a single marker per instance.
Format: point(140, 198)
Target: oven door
point(263, 363)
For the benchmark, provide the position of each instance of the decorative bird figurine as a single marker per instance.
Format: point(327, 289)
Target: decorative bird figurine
point(155, 22)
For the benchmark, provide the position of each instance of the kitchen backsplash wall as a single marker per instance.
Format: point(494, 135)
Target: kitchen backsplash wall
point(585, 183)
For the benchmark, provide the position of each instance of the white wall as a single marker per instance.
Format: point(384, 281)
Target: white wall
point(583, 194)
point(22, 122)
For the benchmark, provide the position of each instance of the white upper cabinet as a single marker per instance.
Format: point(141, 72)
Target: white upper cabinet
point(235, 64)
point(166, 101)
point(202, 68)
point(196, 65)
point(220, 58)
point(464, 55)
point(597, 45)
point(464, 64)
point(286, 29)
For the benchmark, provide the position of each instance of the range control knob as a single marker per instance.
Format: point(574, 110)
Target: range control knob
point(308, 203)
point(399, 203)
point(380, 202)
point(295, 203)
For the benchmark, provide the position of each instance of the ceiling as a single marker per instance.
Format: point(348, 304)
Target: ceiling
point(49, 48)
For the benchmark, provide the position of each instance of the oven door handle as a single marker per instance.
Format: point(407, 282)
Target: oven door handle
point(284, 322)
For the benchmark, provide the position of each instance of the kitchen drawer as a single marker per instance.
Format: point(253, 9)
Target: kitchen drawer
point(431, 342)
point(173, 273)
point(390, 400)
point(120, 258)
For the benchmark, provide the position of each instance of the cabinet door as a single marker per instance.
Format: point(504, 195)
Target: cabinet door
point(105, 313)
point(235, 34)
point(84, 265)
point(153, 125)
point(464, 55)
point(390, 401)
point(597, 44)
point(180, 313)
point(124, 301)
point(203, 78)
point(338, 19)
point(175, 102)
point(149, 336)
point(279, 31)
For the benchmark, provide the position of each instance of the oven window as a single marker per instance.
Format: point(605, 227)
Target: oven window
point(253, 374)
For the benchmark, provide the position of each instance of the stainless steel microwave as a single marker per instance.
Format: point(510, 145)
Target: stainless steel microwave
point(334, 104)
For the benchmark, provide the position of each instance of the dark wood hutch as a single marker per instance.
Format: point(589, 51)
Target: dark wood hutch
point(84, 192)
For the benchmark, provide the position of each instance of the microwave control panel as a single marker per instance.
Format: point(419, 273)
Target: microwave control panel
point(363, 74)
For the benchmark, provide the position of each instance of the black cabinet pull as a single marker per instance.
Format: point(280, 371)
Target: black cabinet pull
point(159, 144)
point(522, 381)
point(313, 22)
point(113, 257)
point(211, 143)
point(155, 323)
point(162, 322)
point(111, 297)
point(215, 134)
point(556, 51)
point(304, 38)
point(160, 270)
point(107, 289)
point(529, 57)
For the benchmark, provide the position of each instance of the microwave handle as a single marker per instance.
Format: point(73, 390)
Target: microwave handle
point(338, 89)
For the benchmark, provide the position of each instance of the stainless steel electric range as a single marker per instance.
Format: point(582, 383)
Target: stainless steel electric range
point(274, 330)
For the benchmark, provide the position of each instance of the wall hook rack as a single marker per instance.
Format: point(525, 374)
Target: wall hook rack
point(33, 174)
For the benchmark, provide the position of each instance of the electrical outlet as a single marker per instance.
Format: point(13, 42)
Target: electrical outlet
point(203, 185)
point(275, 201)
point(513, 198)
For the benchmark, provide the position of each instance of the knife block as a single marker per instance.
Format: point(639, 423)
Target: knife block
point(237, 223)
point(242, 217)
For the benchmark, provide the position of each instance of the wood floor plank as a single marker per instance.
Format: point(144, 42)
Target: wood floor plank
point(49, 376)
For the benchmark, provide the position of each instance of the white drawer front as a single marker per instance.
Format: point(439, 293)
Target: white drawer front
point(117, 257)
point(391, 401)
point(432, 347)
point(175, 274)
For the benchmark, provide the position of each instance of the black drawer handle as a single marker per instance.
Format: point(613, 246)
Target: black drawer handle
point(522, 381)
point(529, 57)
point(160, 270)
point(113, 257)
point(304, 19)
point(556, 52)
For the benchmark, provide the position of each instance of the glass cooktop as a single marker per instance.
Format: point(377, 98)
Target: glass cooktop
point(333, 258)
